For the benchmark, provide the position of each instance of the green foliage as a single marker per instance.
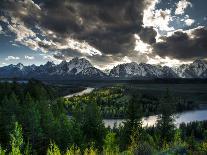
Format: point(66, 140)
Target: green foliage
point(45, 119)
point(53, 150)
point(2, 151)
point(16, 140)
point(73, 151)
point(110, 144)
point(203, 147)
point(165, 123)
point(133, 126)
point(91, 124)
point(42, 119)
point(90, 151)
point(113, 102)
point(28, 149)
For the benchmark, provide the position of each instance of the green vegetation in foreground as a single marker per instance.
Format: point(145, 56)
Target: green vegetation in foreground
point(33, 121)
point(113, 101)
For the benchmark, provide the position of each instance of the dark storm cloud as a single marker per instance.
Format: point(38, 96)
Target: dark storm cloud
point(183, 45)
point(148, 35)
point(67, 53)
point(107, 25)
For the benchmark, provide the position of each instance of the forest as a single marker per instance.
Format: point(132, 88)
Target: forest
point(35, 120)
point(113, 102)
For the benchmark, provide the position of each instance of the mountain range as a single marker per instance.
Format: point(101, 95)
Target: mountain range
point(80, 68)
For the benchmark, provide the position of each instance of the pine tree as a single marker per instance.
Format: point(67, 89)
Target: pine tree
point(134, 114)
point(2, 151)
point(53, 150)
point(91, 124)
point(16, 140)
point(110, 144)
point(165, 123)
point(10, 112)
point(32, 124)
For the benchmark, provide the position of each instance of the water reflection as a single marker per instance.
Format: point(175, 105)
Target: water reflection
point(185, 117)
point(86, 91)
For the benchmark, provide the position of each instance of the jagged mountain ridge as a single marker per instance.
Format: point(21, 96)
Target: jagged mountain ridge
point(74, 69)
point(197, 69)
point(142, 70)
point(80, 68)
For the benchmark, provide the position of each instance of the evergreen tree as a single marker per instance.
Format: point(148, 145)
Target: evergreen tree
point(134, 114)
point(165, 123)
point(91, 124)
point(31, 122)
point(2, 151)
point(53, 150)
point(16, 140)
point(110, 144)
point(10, 111)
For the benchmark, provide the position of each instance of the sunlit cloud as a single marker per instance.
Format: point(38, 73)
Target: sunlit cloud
point(29, 57)
point(157, 18)
point(48, 57)
point(166, 61)
point(123, 33)
point(11, 58)
point(182, 6)
point(4, 64)
point(189, 22)
point(141, 46)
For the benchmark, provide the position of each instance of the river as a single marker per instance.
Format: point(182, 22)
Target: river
point(184, 117)
point(85, 91)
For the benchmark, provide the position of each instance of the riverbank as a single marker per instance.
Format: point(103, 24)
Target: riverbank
point(184, 117)
point(83, 92)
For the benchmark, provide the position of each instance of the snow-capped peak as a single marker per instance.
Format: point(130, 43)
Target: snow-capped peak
point(20, 66)
point(50, 64)
point(82, 68)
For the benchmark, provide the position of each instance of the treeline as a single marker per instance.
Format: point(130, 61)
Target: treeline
point(34, 122)
point(113, 102)
point(43, 119)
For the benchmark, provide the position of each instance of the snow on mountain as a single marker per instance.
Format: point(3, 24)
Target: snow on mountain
point(18, 70)
point(79, 65)
point(106, 71)
point(169, 72)
point(180, 71)
point(92, 72)
point(82, 68)
point(76, 67)
point(196, 69)
point(152, 71)
point(141, 71)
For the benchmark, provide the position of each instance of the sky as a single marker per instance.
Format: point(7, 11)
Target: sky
point(106, 32)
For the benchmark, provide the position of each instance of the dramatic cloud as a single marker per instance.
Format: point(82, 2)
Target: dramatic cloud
point(184, 45)
point(148, 35)
point(166, 61)
point(106, 32)
point(142, 47)
point(108, 26)
point(11, 58)
point(48, 57)
point(28, 57)
point(189, 22)
point(158, 18)
point(181, 6)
